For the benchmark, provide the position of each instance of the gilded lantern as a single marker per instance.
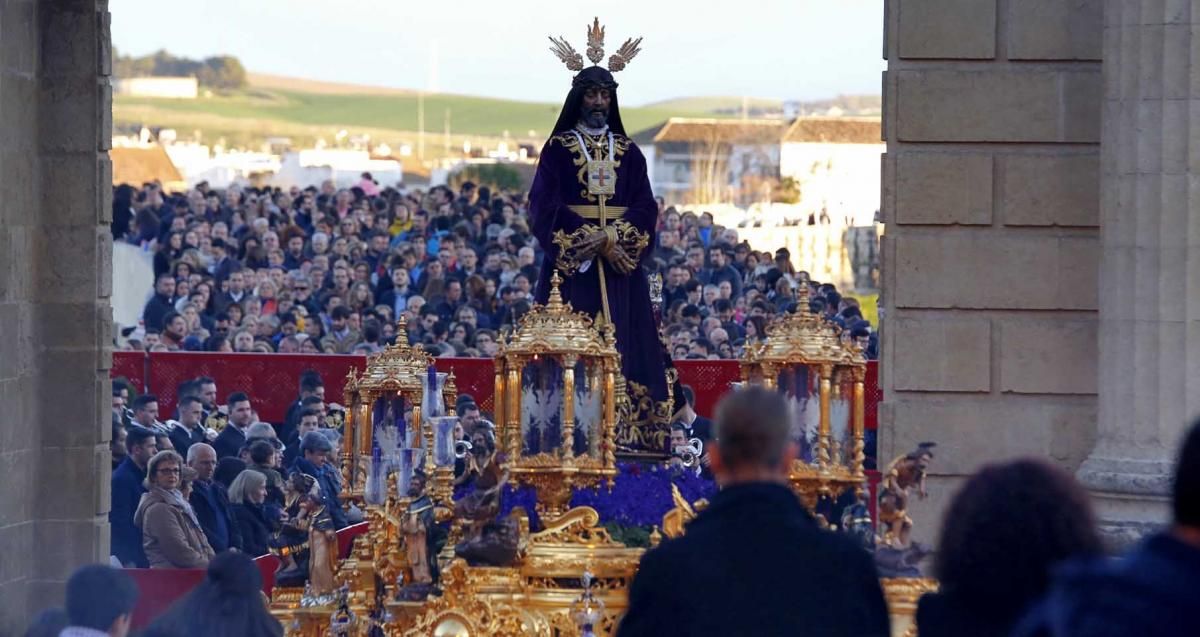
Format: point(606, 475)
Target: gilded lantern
point(557, 378)
point(821, 374)
point(378, 425)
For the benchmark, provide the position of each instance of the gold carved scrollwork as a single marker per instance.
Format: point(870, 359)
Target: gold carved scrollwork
point(462, 609)
point(569, 260)
point(597, 148)
point(631, 240)
point(644, 426)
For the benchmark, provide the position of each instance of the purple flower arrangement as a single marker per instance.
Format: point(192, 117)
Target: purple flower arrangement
point(641, 494)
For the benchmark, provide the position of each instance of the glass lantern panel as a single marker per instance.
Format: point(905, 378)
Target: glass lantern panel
point(589, 407)
point(541, 407)
point(433, 401)
point(444, 440)
point(800, 387)
point(841, 413)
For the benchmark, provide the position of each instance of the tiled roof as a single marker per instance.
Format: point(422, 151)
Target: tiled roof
point(840, 130)
point(731, 131)
point(137, 166)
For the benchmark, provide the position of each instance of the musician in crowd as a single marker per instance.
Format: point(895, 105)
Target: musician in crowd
point(145, 414)
point(191, 429)
point(687, 454)
point(697, 426)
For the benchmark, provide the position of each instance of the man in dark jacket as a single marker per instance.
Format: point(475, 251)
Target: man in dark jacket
point(1151, 592)
point(315, 449)
point(233, 437)
point(310, 385)
point(755, 562)
point(210, 501)
point(191, 429)
point(162, 302)
point(127, 490)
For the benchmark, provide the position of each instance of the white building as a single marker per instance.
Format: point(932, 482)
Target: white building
point(343, 167)
point(836, 161)
point(167, 87)
point(694, 160)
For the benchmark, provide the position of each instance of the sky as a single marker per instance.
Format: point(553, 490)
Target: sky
point(782, 49)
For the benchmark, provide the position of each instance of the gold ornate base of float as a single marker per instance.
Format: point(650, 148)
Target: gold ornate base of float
point(902, 594)
point(535, 596)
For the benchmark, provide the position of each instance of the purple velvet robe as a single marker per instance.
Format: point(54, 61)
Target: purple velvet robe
point(560, 182)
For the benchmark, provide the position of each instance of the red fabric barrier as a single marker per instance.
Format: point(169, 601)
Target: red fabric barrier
point(130, 365)
point(346, 535)
point(267, 565)
point(271, 379)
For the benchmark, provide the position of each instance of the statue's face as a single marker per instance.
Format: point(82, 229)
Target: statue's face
point(593, 112)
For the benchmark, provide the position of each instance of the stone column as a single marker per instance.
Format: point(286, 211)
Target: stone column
point(990, 195)
point(1149, 374)
point(55, 280)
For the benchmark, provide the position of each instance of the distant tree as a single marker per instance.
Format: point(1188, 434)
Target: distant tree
point(222, 72)
point(497, 176)
point(219, 72)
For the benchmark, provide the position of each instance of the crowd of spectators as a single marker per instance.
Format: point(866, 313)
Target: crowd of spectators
point(184, 492)
point(328, 270)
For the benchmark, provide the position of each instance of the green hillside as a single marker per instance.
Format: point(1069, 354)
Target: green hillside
point(248, 116)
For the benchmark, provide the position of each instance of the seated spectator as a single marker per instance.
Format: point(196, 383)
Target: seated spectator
point(1152, 592)
point(171, 533)
point(814, 582)
point(100, 601)
point(248, 492)
point(128, 487)
point(262, 457)
point(309, 421)
point(210, 501)
point(1004, 531)
point(315, 450)
point(228, 602)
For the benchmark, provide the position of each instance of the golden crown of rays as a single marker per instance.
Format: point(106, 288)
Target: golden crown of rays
point(595, 50)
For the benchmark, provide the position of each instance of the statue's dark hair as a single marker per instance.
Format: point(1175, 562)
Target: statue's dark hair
point(590, 77)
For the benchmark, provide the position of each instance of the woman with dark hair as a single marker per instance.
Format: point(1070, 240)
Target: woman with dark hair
point(228, 602)
point(1003, 533)
point(168, 252)
point(756, 328)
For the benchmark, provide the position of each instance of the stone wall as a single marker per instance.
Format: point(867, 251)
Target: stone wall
point(990, 194)
point(55, 280)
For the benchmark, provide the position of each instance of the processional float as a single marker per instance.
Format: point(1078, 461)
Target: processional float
point(558, 396)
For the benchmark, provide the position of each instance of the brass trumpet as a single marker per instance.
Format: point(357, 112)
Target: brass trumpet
point(690, 453)
point(462, 448)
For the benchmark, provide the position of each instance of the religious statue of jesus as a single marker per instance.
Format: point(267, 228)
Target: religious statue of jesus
point(592, 211)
